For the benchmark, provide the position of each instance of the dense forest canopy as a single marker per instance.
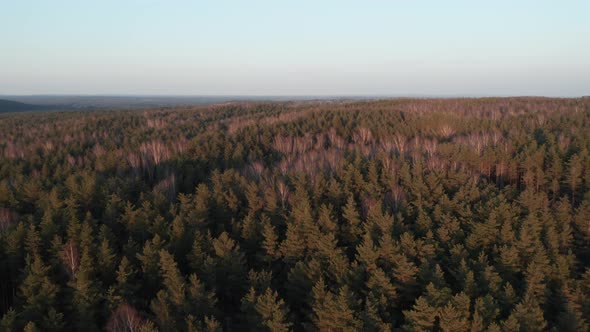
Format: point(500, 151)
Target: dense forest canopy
point(419, 214)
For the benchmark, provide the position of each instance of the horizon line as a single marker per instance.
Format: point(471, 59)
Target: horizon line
point(417, 95)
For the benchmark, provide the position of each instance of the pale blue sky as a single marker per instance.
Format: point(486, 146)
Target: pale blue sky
point(295, 47)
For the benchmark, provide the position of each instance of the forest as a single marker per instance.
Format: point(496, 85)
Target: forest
point(466, 214)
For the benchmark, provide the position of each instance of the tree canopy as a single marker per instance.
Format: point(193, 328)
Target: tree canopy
point(412, 214)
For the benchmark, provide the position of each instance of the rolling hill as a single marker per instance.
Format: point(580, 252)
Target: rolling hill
point(15, 106)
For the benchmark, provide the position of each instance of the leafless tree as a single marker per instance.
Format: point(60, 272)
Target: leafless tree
point(13, 151)
point(180, 145)
point(362, 136)
point(563, 142)
point(125, 319)
point(157, 123)
point(400, 143)
point(435, 163)
point(446, 131)
point(397, 193)
point(134, 161)
point(256, 169)
point(387, 145)
point(303, 144)
point(430, 145)
point(71, 160)
point(335, 140)
point(283, 191)
point(7, 218)
point(496, 137)
point(389, 165)
point(154, 152)
point(48, 146)
point(283, 144)
point(98, 151)
point(168, 185)
point(71, 257)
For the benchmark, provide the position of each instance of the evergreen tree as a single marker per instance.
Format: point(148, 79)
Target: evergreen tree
point(333, 312)
point(351, 228)
point(38, 294)
point(265, 311)
point(422, 317)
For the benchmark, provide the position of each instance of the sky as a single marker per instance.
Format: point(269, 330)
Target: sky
point(321, 47)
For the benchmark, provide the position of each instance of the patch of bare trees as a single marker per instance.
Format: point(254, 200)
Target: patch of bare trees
point(125, 319)
point(362, 136)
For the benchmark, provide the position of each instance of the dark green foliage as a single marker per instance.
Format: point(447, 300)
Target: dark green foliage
point(420, 215)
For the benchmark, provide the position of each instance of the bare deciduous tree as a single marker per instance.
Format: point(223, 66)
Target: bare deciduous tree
point(400, 143)
point(7, 218)
point(71, 257)
point(125, 319)
point(446, 131)
point(362, 136)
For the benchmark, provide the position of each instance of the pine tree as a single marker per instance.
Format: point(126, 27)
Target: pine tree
point(209, 324)
point(200, 302)
point(325, 220)
point(379, 284)
point(48, 227)
point(293, 248)
point(351, 229)
point(197, 255)
point(332, 258)
point(422, 317)
point(333, 312)
point(367, 253)
point(255, 202)
point(33, 241)
point(300, 281)
point(455, 315)
point(172, 279)
point(179, 240)
point(164, 312)
point(582, 230)
point(8, 321)
point(371, 319)
point(251, 228)
point(38, 294)
point(529, 315)
point(125, 286)
point(86, 293)
point(265, 312)
point(574, 174)
point(270, 242)
point(106, 261)
point(404, 273)
point(31, 327)
point(179, 299)
point(150, 264)
point(302, 231)
point(564, 223)
point(226, 271)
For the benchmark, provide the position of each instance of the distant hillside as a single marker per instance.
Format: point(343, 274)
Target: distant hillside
point(145, 101)
point(15, 106)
